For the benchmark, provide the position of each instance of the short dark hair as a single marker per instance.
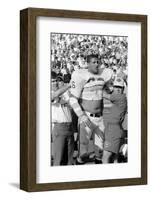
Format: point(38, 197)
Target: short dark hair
point(53, 75)
point(89, 57)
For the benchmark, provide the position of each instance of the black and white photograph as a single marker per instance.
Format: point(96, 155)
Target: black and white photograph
point(84, 76)
point(88, 105)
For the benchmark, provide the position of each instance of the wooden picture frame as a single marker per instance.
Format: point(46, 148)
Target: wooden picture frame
point(28, 98)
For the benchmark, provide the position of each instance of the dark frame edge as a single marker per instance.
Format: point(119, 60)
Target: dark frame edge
point(27, 101)
point(23, 99)
point(144, 51)
point(92, 184)
point(94, 15)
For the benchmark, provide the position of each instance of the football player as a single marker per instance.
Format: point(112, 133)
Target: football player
point(87, 102)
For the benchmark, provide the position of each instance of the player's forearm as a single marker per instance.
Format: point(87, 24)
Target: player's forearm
point(60, 92)
point(75, 106)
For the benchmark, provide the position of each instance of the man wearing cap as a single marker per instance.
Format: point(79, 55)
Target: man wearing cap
point(87, 102)
point(114, 134)
point(62, 132)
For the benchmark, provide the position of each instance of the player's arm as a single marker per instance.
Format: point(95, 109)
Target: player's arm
point(107, 75)
point(79, 112)
point(77, 84)
point(108, 78)
point(59, 92)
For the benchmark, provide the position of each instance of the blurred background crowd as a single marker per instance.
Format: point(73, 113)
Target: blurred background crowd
point(69, 52)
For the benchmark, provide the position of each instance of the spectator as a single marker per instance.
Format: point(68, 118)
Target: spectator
point(62, 132)
point(114, 133)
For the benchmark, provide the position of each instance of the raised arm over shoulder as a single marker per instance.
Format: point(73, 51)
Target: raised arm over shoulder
point(60, 91)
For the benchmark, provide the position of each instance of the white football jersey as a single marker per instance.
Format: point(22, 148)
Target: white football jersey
point(88, 86)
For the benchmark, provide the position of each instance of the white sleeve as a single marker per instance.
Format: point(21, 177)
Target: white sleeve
point(77, 84)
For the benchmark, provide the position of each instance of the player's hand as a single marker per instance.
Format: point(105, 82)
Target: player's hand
point(84, 119)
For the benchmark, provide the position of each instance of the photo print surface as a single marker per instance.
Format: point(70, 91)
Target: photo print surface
point(89, 84)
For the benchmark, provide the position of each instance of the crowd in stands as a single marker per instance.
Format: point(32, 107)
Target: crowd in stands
point(69, 52)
